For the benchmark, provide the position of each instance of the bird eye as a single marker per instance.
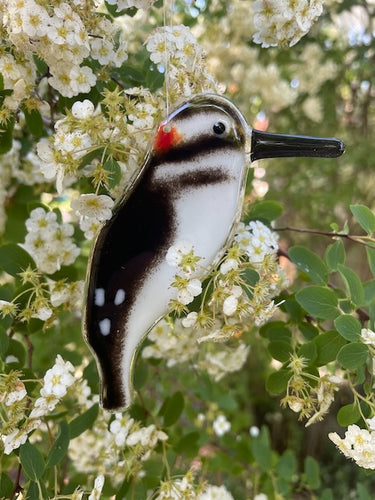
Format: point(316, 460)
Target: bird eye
point(219, 128)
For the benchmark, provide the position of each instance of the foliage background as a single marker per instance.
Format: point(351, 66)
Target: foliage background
point(320, 86)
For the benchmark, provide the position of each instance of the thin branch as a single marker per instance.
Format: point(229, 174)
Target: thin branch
point(30, 350)
point(17, 486)
point(330, 234)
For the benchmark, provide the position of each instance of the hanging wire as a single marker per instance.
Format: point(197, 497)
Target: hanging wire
point(167, 6)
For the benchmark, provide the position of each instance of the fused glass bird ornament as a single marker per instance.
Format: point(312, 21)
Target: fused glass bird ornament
point(190, 188)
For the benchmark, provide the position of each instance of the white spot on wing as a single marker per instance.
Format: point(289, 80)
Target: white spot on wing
point(99, 297)
point(120, 297)
point(105, 326)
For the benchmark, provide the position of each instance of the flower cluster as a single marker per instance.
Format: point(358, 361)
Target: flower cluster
point(235, 63)
point(281, 22)
point(59, 35)
point(185, 488)
point(98, 486)
point(56, 382)
point(221, 425)
point(171, 341)
point(124, 128)
point(309, 395)
point(126, 4)
point(178, 343)
point(49, 242)
point(113, 442)
point(358, 444)
point(93, 210)
point(177, 53)
point(181, 255)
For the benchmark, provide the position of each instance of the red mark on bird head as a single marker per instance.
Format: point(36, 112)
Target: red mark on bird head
point(166, 137)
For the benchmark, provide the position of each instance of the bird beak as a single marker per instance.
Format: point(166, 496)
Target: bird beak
point(267, 145)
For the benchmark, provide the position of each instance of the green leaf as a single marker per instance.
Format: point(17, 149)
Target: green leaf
point(251, 277)
point(276, 331)
point(60, 446)
point(312, 473)
point(280, 350)
point(318, 301)
point(264, 210)
point(114, 170)
point(261, 449)
point(365, 217)
point(4, 342)
point(140, 374)
point(328, 345)
point(353, 284)
point(14, 259)
point(292, 308)
point(348, 414)
point(363, 493)
point(348, 327)
point(309, 263)
point(34, 122)
point(188, 444)
point(277, 382)
point(335, 255)
point(6, 136)
point(309, 331)
point(326, 494)
point(84, 421)
point(353, 356)
point(369, 288)
point(6, 486)
point(287, 465)
point(308, 351)
point(16, 349)
point(33, 491)
point(371, 259)
point(32, 461)
point(173, 408)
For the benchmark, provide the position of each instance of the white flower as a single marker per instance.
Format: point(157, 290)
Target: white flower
point(190, 320)
point(146, 436)
point(176, 252)
point(83, 109)
point(358, 444)
point(98, 486)
point(89, 226)
point(221, 425)
point(371, 423)
point(18, 393)
point(120, 428)
point(13, 440)
point(254, 431)
point(224, 361)
point(43, 313)
point(93, 206)
point(34, 19)
point(44, 405)
point(368, 336)
point(215, 493)
point(228, 265)
point(230, 305)
point(102, 50)
point(49, 243)
point(192, 289)
point(58, 378)
point(283, 22)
